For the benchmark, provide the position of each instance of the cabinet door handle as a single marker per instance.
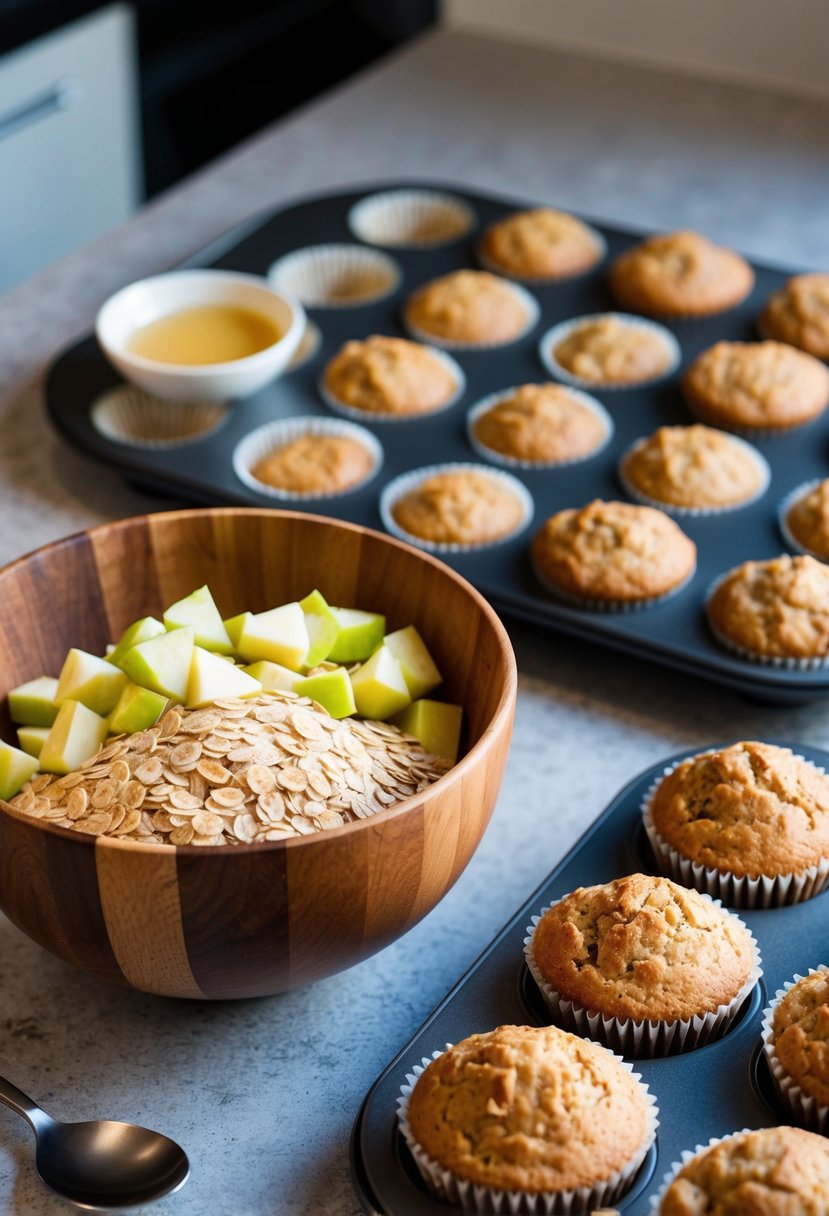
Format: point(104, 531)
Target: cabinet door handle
point(62, 95)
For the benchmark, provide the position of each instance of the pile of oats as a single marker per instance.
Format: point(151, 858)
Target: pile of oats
point(237, 772)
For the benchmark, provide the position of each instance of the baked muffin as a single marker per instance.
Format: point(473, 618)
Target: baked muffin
point(540, 424)
point(776, 610)
point(662, 966)
point(315, 465)
point(756, 384)
point(391, 377)
point(776, 1171)
point(680, 274)
point(609, 351)
point(806, 518)
point(529, 1110)
point(542, 244)
point(694, 468)
point(799, 314)
point(796, 1043)
point(612, 554)
point(748, 823)
point(469, 307)
point(458, 505)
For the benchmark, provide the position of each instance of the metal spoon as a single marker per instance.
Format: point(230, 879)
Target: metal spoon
point(100, 1164)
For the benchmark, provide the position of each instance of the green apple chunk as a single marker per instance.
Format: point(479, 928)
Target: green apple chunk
point(33, 703)
point(200, 612)
point(234, 626)
point(16, 767)
point(162, 664)
point(379, 686)
point(32, 738)
point(137, 709)
point(434, 724)
point(332, 689)
point(418, 667)
point(359, 636)
point(92, 681)
point(76, 735)
point(139, 631)
point(321, 625)
point(279, 635)
point(273, 677)
point(211, 677)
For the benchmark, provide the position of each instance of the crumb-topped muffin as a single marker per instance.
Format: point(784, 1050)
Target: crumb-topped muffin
point(613, 553)
point(460, 506)
point(776, 609)
point(796, 1041)
point(694, 468)
point(807, 519)
point(611, 351)
point(469, 307)
point(542, 424)
point(541, 244)
point(799, 314)
point(391, 376)
point(756, 384)
point(315, 464)
point(680, 274)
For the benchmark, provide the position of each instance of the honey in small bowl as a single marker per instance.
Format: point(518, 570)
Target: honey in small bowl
point(212, 333)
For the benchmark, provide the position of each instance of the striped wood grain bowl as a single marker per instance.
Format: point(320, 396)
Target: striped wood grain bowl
point(248, 920)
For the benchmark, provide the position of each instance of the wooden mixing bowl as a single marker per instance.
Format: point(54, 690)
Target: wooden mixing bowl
point(247, 920)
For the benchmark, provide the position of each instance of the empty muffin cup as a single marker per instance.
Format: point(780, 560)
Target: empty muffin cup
point(332, 458)
point(335, 276)
point(411, 219)
point(135, 418)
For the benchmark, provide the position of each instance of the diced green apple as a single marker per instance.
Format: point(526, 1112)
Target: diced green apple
point(359, 636)
point(234, 626)
point(434, 724)
point(273, 677)
point(32, 738)
point(332, 689)
point(93, 681)
point(278, 635)
point(200, 612)
point(162, 664)
point(139, 631)
point(211, 677)
point(322, 627)
point(16, 767)
point(419, 671)
point(137, 709)
point(33, 703)
point(76, 735)
point(379, 686)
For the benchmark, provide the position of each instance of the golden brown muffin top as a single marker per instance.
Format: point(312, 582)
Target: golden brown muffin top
point(756, 384)
point(390, 376)
point(609, 350)
point(468, 306)
point(315, 464)
point(613, 551)
point(777, 608)
point(541, 423)
point(799, 313)
point(459, 507)
point(776, 1171)
point(800, 1034)
point(748, 809)
point(680, 273)
point(530, 1109)
point(693, 466)
point(643, 947)
point(808, 520)
point(541, 244)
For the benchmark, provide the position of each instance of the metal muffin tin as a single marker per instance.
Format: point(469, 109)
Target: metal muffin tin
point(674, 632)
point(711, 1091)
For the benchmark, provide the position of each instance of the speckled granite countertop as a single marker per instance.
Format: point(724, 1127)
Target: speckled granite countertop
point(263, 1093)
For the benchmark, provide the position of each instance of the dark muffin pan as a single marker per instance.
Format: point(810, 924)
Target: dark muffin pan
point(711, 1091)
point(674, 632)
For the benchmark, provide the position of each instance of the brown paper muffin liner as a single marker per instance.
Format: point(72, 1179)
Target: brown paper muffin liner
point(260, 443)
point(741, 891)
point(786, 505)
point(645, 1037)
point(596, 605)
point(531, 309)
point(552, 337)
point(805, 1108)
point(131, 416)
point(335, 276)
point(513, 462)
point(768, 660)
point(546, 280)
point(475, 1198)
point(670, 508)
point(353, 411)
point(411, 219)
point(686, 1156)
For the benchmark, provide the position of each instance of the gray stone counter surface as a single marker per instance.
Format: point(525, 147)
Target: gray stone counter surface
point(263, 1093)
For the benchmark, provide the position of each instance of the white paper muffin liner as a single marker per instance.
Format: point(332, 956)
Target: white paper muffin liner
point(804, 1107)
point(402, 485)
point(644, 1037)
point(353, 411)
point(513, 462)
point(476, 1198)
point(137, 419)
point(767, 660)
point(411, 219)
point(335, 276)
point(670, 508)
point(531, 308)
point(741, 891)
point(554, 336)
point(687, 1155)
point(260, 443)
point(782, 518)
point(546, 280)
point(598, 605)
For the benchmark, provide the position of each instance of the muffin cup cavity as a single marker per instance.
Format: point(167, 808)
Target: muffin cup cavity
point(532, 312)
point(783, 510)
point(402, 485)
point(670, 508)
point(335, 276)
point(513, 462)
point(265, 439)
point(353, 411)
point(546, 280)
point(686, 1156)
point(790, 663)
point(472, 1197)
point(551, 339)
point(135, 418)
point(411, 219)
point(803, 1107)
point(599, 605)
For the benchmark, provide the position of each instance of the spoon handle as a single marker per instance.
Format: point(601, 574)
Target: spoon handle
point(11, 1096)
